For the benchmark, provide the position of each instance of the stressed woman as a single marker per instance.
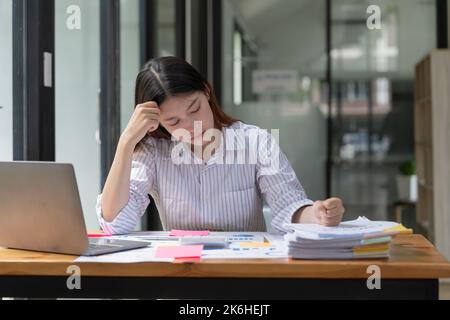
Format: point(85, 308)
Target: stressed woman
point(204, 169)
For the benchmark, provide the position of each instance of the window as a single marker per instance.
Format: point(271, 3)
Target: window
point(6, 114)
point(129, 55)
point(165, 28)
point(272, 68)
point(373, 98)
point(77, 73)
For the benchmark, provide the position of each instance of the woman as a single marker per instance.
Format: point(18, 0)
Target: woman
point(182, 149)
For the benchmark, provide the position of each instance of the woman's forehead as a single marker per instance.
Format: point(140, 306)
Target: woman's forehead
point(179, 103)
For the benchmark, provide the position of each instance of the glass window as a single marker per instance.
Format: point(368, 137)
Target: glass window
point(130, 64)
point(373, 97)
point(6, 114)
point(165, 28)
point(256, 57)
point(129, 56)
point(77, 72)
point(273, 63)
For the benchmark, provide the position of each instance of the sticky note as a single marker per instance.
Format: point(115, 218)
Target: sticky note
point(99, 234)
point(400, 228)
point(185, 233)
point(255, 245)
point(179, 252)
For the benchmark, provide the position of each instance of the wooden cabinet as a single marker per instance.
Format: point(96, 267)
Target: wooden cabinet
point(432, 144)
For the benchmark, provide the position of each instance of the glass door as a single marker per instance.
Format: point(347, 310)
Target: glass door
point(373, 97)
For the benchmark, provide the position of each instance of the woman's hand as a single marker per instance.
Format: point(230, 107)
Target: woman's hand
point(145, 119)
point(328, 212)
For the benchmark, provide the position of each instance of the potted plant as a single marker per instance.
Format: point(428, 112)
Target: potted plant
point(407, 181)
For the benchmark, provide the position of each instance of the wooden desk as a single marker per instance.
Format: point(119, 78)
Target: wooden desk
point(412, 272)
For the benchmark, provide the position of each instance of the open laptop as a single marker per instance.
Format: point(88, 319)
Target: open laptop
point(40, 210)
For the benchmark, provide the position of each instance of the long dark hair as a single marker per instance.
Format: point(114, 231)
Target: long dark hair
point(169, 76)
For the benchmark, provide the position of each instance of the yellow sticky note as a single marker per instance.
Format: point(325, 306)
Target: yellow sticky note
point(400, 228)
point(255, 244)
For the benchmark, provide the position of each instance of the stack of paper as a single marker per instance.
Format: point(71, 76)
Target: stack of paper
point(357, 239)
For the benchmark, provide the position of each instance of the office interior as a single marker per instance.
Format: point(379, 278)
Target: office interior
point(346, 117)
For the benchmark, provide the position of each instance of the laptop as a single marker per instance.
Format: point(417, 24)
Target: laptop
point(40, 210)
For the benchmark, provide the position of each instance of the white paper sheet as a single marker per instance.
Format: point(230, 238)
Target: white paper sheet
point(130, 256)
point(157, 238)
point(349, 229)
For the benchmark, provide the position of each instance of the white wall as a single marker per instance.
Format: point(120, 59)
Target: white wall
point(6, 131)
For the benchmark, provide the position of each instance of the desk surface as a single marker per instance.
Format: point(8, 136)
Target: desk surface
point(412, 257)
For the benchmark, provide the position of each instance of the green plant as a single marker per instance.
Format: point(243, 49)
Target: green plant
point(408, 168)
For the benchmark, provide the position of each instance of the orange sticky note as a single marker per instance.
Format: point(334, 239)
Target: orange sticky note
point(179, 252)
point(185, 233)
point(255, 245)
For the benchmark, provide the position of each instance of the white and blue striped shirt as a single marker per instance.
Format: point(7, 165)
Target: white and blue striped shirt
point(219, 195)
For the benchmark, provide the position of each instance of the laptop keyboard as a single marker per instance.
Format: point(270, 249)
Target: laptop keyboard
point(102, 246)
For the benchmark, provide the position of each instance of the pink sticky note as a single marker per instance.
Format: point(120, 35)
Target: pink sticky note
point(99, 234)
point(93, 235)
point(179, 252)
point(185, 233)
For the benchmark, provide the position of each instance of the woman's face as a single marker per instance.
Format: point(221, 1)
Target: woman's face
point(190, 112)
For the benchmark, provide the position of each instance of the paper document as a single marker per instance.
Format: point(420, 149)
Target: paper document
point(355, 229)
point(356, 239)
point(131, 256)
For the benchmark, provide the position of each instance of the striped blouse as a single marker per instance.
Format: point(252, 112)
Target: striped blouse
point(224, 194)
